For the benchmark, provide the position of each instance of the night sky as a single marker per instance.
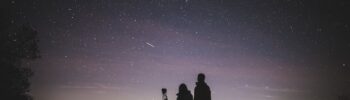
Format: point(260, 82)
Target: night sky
point(130, 49)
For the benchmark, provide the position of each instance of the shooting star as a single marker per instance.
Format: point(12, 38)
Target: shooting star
point(150, 44)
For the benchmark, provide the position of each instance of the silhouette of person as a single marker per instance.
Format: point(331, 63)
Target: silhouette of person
point(202, 90)
point(184, 93)
point(165, 97)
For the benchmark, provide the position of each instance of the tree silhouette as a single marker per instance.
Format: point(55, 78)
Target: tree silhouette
point(17, 45)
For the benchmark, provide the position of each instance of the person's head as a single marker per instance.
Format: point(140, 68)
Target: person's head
point(201, 77)
point(183, 87)
point(163, 90)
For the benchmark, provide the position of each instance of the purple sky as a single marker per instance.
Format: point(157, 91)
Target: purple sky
point(130, 49)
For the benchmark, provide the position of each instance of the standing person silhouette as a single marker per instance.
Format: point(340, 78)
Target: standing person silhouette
point(202, 90)
point(184, 93)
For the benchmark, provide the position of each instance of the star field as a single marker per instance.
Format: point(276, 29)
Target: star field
point(130, 49)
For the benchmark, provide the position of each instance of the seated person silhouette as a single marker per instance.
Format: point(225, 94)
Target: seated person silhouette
point(184, 93)
point(202, 90)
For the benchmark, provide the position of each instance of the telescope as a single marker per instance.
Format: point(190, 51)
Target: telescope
point(165, 97)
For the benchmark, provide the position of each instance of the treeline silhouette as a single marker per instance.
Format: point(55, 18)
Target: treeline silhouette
point(18, 43)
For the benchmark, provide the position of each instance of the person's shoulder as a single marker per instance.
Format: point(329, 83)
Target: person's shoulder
point(206, 86)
